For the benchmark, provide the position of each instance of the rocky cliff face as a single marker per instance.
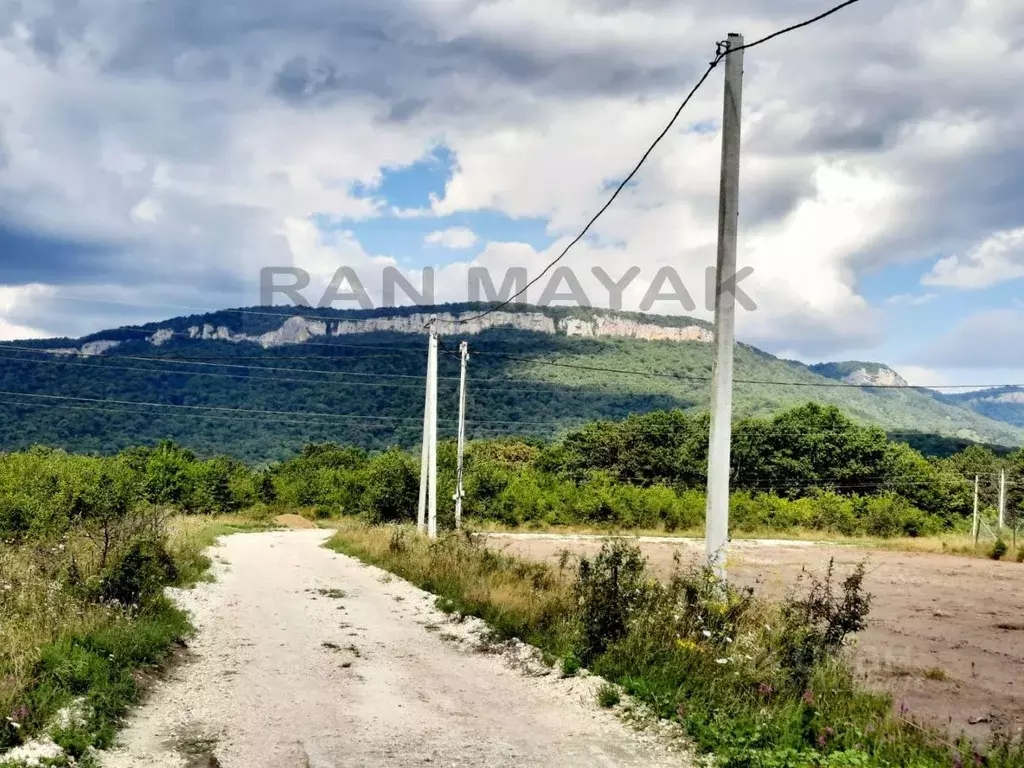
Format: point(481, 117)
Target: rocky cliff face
point(298, 330)
point(882, 377)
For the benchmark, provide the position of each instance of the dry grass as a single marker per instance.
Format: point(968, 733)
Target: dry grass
point(515, 597)
point(35, 610)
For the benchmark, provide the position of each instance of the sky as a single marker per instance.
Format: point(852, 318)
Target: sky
point(156, 156)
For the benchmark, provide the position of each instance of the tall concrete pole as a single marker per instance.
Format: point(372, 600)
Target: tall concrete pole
point(974, 528)
point(421, 516)
point(464, 354)
point(432, 490)
point(717, 536)
point(1002, 498)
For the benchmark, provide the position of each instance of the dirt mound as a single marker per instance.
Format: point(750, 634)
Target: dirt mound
point(295, 521)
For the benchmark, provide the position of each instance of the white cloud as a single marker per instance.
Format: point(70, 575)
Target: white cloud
point(16, 300)
point(456, 238)
point(911, 299)
point(997, 259)
point(204, 156)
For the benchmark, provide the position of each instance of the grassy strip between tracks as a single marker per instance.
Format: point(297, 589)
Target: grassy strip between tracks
point(82, 617)
point(756, 684)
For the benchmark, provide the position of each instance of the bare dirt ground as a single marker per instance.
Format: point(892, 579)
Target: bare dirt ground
point(933, 616)
point(308, 659)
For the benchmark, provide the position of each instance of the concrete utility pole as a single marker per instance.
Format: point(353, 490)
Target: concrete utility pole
point(421, 515)
point(432, 501)
point(719, 445)
point(427, 487)
point(975, 529)
point(1002, 497)
point(459, 493)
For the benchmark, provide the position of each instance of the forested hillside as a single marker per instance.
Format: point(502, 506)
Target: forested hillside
point(262, 403)
point(1004, 404)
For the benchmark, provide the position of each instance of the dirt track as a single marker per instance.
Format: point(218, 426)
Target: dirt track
point(960, 617)
point(307, 659)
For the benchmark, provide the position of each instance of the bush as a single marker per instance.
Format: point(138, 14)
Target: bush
point(890, 515)
point(140, 575)
point(391, 488)
point(817, 625)
point(571, 665)
point(609, 589)
point(999, 550)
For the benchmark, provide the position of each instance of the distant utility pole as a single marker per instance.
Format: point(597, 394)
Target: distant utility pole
point(719, 445)
point(459, 492)
point(975, 531)
point(428, 458)
point(1002, 497)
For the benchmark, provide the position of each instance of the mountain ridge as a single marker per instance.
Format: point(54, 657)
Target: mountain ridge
point(356, 376)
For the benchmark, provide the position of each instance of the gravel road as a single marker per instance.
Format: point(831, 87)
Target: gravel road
point(309, 659)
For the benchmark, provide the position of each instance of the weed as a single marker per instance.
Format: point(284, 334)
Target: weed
point(817, 625)
point(334, 594)
point(331, 646)
point(571, 665)
point(936, 673)
point(446, 605)
point(608, 696)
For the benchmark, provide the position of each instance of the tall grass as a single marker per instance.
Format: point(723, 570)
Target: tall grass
point(76, 628)
point(517, 598)
point(758, 684)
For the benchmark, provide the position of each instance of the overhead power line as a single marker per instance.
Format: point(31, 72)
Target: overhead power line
point(772, 382)
point(793, 28)
point(237, 418)
point(208, 362)
point(722, 52)
point(209, 408)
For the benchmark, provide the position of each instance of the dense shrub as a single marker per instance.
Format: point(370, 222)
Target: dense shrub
point(390, 489)
point(610, 588)
point(140, 574)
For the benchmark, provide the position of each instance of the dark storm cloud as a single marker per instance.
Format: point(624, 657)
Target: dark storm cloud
point(30, 257)
point(309, 49)
point(775, 199)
